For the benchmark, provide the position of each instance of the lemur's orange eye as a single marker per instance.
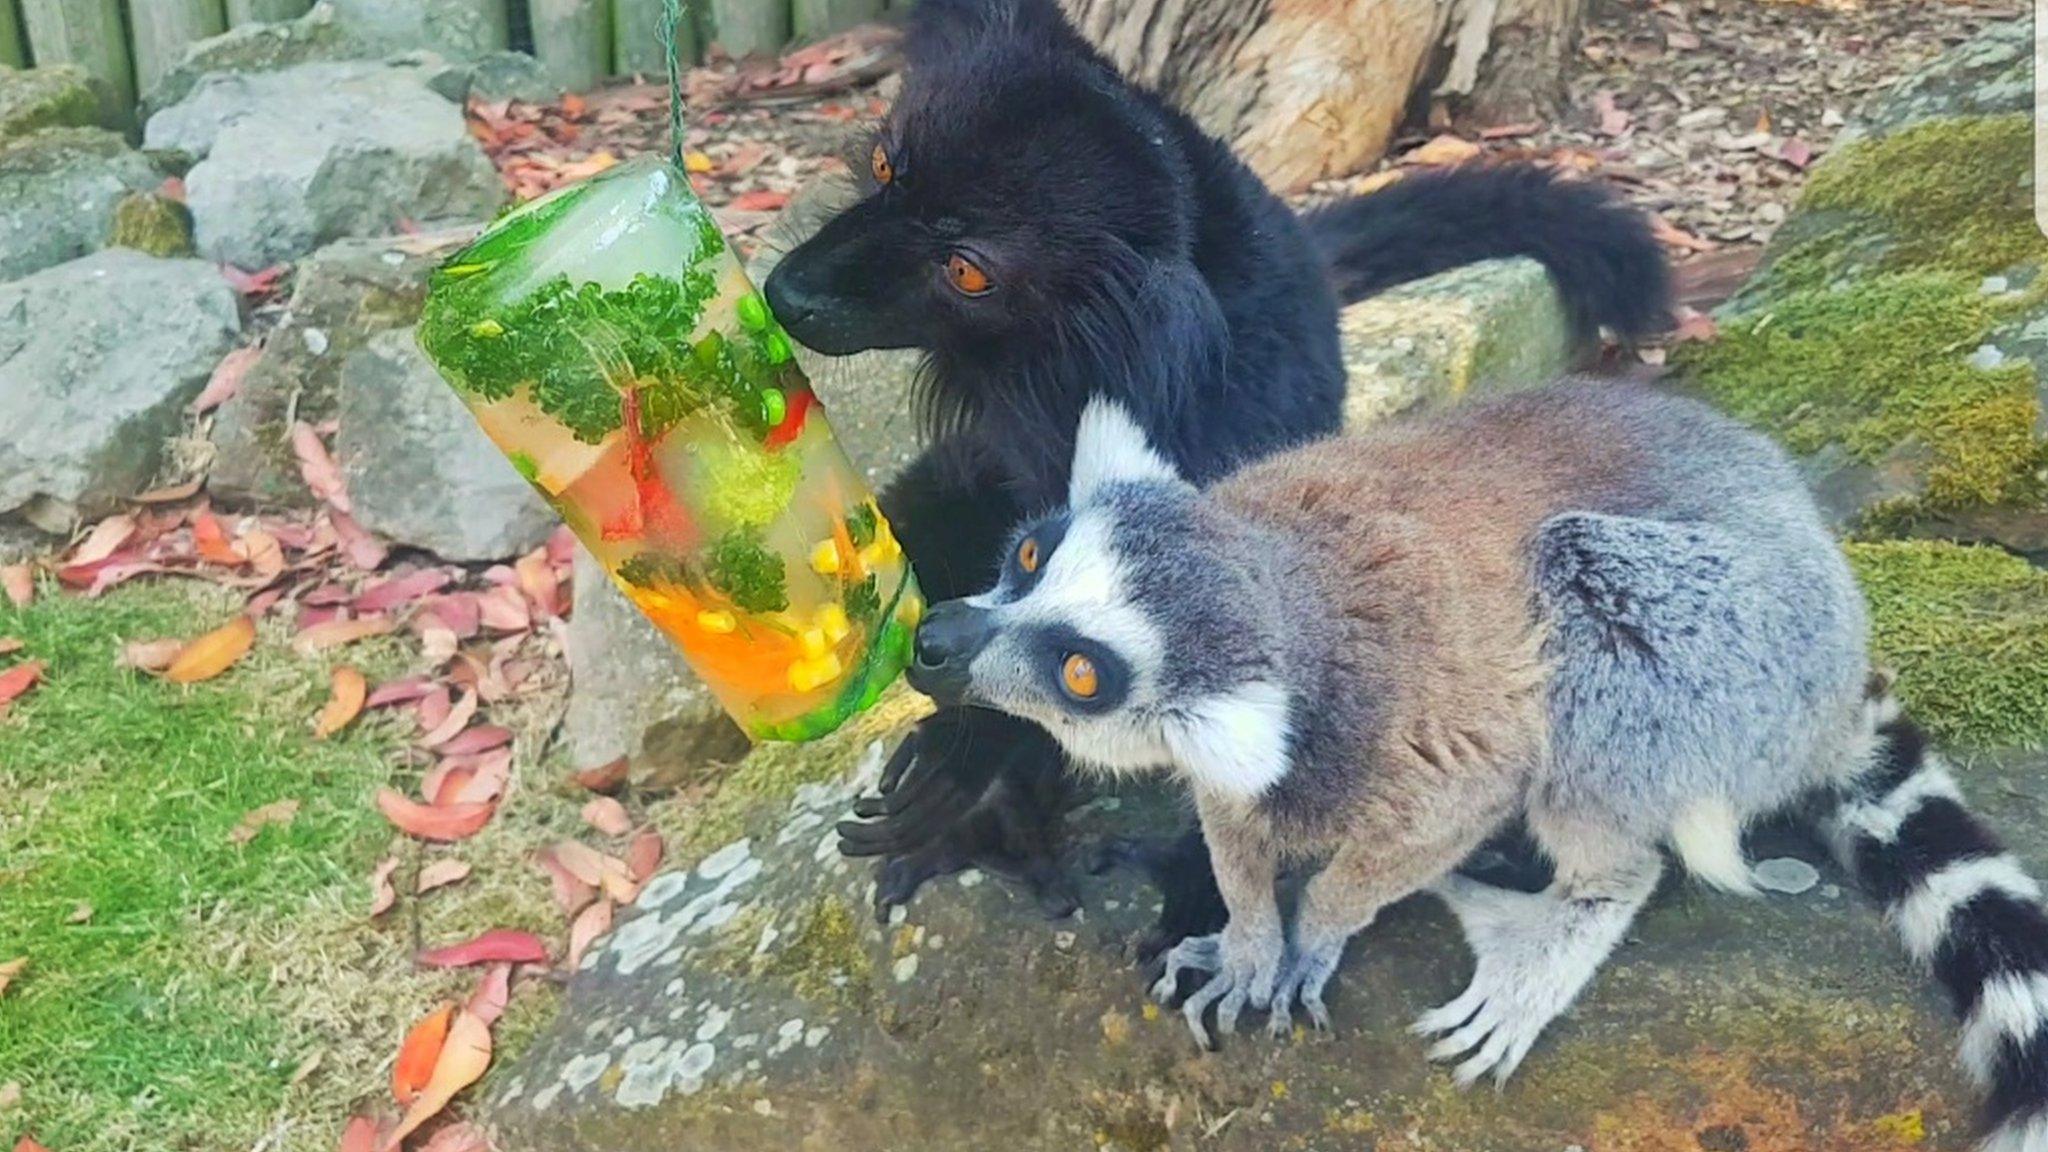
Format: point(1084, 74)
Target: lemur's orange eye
point(1077, 676)
point(884, 171)
point(1027, 555)
point(966, 276)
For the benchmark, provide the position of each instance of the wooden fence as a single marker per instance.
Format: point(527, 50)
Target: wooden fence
point(128, 44)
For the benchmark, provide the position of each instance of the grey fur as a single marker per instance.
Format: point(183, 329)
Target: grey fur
point(1603, 608)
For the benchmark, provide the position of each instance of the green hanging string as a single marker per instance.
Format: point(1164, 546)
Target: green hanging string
point(671, 23)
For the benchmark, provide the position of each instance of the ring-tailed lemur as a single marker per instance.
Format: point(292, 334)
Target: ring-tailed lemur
point(1607, 610)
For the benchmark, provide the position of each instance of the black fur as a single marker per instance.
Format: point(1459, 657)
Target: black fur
point(1129, 255)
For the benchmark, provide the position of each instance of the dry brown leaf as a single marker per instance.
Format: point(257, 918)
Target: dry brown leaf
point(264, 553)
point(149, 655)
point(9, 644)
point(449, 823)
point(82, 914)
point(382, 894)
point(335, 633)
point(345, 695)
point(104, 540)
point(318, 468)
point(590, 925)
point(440, 874)
point(582, 861)
point(571, 894)
point(464, 1058)
point(10, 970)
point(212, 654)
point(16, 681)
point(19, 581)
point(492, 994)
point(173, 493)
point(254, 821)
point(419, 1052)
point(359, 1135)
point(607, 816)
point(1444, 149)
point(643, 855)
point(211, 541)
point(10, 1096)
point(461, 1136)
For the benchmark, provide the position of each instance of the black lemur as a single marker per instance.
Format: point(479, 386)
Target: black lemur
point(1046, 232)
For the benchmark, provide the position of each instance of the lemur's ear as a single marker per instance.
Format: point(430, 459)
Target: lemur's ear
point(1237, 742)
point(944, 27)
point(1111, 448)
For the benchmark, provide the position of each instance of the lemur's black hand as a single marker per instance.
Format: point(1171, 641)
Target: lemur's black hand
point(937, 776)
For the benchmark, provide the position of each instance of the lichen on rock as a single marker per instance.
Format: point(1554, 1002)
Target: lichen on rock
point(153, 223)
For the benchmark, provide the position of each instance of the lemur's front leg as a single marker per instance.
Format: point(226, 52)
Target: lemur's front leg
point(1243, 960)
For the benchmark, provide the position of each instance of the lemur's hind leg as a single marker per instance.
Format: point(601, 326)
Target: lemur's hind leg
point(1535, 951)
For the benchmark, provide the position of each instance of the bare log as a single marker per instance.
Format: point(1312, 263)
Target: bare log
point(242, 12)
point(86, 33)
point(13, 47)
point(636, 38)
point(573, 39)
point(162, 29)
point(742, 27)
point(815, 18)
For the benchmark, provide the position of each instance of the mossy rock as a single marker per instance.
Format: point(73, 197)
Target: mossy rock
point(53, 96)
point(1966, 629)
point(1898, 331)
point(153, 223)
point(259, 47)
point(59, 189)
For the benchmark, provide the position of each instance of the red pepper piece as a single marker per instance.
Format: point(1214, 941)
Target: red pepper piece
point(800, 402)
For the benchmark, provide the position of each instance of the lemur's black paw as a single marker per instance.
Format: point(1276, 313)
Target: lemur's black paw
point(1191, 904)
point(898, 878)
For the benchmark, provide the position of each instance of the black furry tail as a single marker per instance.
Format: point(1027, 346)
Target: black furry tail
point(1599, 250)
point(1965, 908)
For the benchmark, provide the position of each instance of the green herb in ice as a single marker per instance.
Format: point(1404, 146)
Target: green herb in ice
point(864, 601)
point(861, 525)
point(750, 575)
point(655, 570)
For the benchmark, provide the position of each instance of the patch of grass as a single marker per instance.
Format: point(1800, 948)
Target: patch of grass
point(209, 975)
point(1881, 365)
point(1966, 628)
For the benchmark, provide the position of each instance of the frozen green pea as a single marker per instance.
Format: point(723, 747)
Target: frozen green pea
point(773, 407)
point(753, 313)
point(778, 348)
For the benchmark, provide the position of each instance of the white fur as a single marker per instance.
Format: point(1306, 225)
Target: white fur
point(1235, 744)
point(1708, 838)
point(2030, 1135)
point(1922, 918)
point(2012, 1007)
point(1881, 819)
point(1110, 447)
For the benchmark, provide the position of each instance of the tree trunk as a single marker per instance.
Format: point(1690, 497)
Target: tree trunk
point(636, 38)
point(265, 11)
point(814, 19)
point(1310, 89)
point(743, 27)
point(13, 47)
point(573, 38)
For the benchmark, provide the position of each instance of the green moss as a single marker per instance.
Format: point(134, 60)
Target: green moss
point(1952, 194)
point(151, 223)
point(1966, 629)
point(1878, 365)
point(52, 96)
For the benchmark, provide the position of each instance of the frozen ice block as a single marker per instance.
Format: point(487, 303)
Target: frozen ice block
point(608, 341)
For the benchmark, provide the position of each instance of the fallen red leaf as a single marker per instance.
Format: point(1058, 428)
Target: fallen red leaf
point(606, 778)
point(28, 1144)
point(492, 993)
point(440, 874)
point(419, 1052)
point(572, 895)
point(399, 692)
point(458, 612)
point(172, 493)
point(454, 822)
point(583, 862)
point(210, 540)
point(19, 581)
point(607, 816)
point(19, 679)
point(104, 540)
point(264, 553)
point(537, 580)
point(481, 738)
point(503, 609)
point(226, 380)
point(498, 946)
point(359, 1135)
point(382, 894)
point(363, 550)
point(318, 468)
point(464, 1058)
point(173, 188)
point(10, 970)
point(470, 779)
point(401, 590)
point(643, 855)
point(433, 708)
point(590, 924)
point(561, 546)
point(458, 718)
point(261, 283)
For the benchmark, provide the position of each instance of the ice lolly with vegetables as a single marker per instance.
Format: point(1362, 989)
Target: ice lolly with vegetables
point(608, 341)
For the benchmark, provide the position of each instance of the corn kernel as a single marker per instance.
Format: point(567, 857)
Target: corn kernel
point(808, 675)
point(912, 610)
point(832, 618)
point(825, 558)
point(828, 667)
point(712, 620)
point(814, 642)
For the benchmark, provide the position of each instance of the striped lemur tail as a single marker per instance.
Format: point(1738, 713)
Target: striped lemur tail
point(1964, 907)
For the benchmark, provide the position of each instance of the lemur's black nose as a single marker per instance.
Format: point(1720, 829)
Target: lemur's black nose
point(951, 636)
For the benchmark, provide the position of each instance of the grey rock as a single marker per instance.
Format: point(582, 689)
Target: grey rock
point(420, 472)
point(259, 47)
point(342, 295)
point(53, 96)
point(1016, 1034)
point(1990, 74)
point(98, 359)
point(1468, 331)
point(511, 76)
point(631, 692)
point(458, 29)
point(291, 159)
point(59, 189)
